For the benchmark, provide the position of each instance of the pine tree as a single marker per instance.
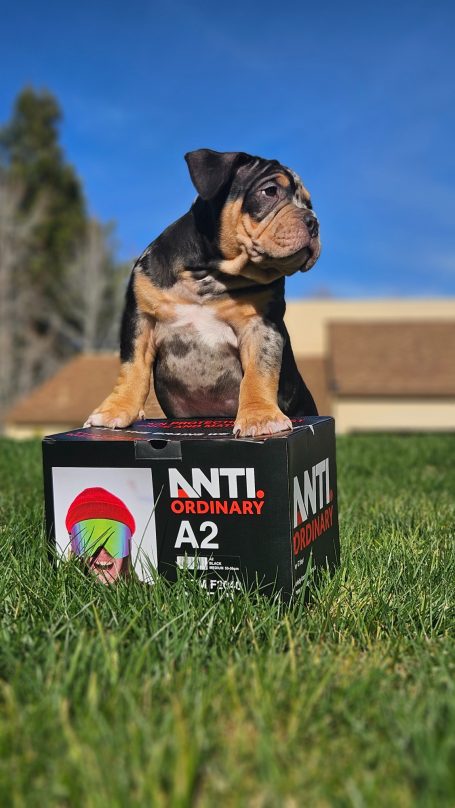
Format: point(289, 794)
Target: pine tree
point(62, 287)
point(30, 150)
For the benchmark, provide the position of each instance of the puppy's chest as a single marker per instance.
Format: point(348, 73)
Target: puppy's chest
point(194, 324)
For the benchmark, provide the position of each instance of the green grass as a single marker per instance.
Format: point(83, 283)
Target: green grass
point(135, 695)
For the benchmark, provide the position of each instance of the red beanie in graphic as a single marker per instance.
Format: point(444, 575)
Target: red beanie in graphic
point(97, 503)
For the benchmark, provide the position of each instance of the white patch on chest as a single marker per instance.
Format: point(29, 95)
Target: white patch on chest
point(203, 321)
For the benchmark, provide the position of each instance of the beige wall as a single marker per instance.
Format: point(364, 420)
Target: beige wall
point(387, 415)
point(307, 323)
point(307, 320)
point(27, 431)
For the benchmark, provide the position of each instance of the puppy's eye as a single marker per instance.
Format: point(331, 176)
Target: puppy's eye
point(271, 190)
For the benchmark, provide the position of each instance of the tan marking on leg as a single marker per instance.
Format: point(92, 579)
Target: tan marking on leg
point(126, 402)
point(258, 412)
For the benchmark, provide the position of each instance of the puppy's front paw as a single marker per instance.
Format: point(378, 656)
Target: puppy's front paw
point(114, 414)
point(251, 422)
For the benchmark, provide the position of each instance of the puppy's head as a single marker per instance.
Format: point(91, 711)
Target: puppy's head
point(264, 211)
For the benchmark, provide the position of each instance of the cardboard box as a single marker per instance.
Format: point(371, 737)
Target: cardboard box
point(186, 493)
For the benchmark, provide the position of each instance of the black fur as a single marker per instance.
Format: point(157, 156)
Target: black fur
point(129, 324)
point(184, 370)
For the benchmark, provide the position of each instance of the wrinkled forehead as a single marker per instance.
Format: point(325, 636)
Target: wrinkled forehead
point(301, 195)
point(258, 171)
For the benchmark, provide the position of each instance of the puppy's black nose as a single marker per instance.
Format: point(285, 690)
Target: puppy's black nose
point(312, 224)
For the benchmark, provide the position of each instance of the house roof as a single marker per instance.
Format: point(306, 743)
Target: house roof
point(364, 359)
point(70, 395)
point(73, 392)
point(392, 359)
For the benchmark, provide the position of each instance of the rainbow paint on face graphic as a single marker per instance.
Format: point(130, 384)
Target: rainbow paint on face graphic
point(92, 535)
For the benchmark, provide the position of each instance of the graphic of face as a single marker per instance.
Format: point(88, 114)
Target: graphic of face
point(108, 569)
point(104, 545)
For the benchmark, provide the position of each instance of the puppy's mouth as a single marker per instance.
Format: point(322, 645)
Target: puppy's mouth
point(271, 267)
point(300, 261)
point(310, 255)
point(305, 257)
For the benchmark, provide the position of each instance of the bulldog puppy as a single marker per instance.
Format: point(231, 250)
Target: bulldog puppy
point(205, 302)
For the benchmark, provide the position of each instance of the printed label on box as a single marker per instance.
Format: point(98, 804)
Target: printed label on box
point(106, 517)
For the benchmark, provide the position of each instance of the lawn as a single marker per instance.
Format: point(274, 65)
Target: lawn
point(135, 695)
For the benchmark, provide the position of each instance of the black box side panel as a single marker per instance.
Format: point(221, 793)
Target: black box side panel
point(313, 499)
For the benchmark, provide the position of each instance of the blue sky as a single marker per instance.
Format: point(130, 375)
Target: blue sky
point(358, 98)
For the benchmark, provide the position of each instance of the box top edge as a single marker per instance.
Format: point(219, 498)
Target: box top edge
point(171, 429)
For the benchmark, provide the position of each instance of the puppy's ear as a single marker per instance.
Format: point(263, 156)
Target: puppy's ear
point(211, 170)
